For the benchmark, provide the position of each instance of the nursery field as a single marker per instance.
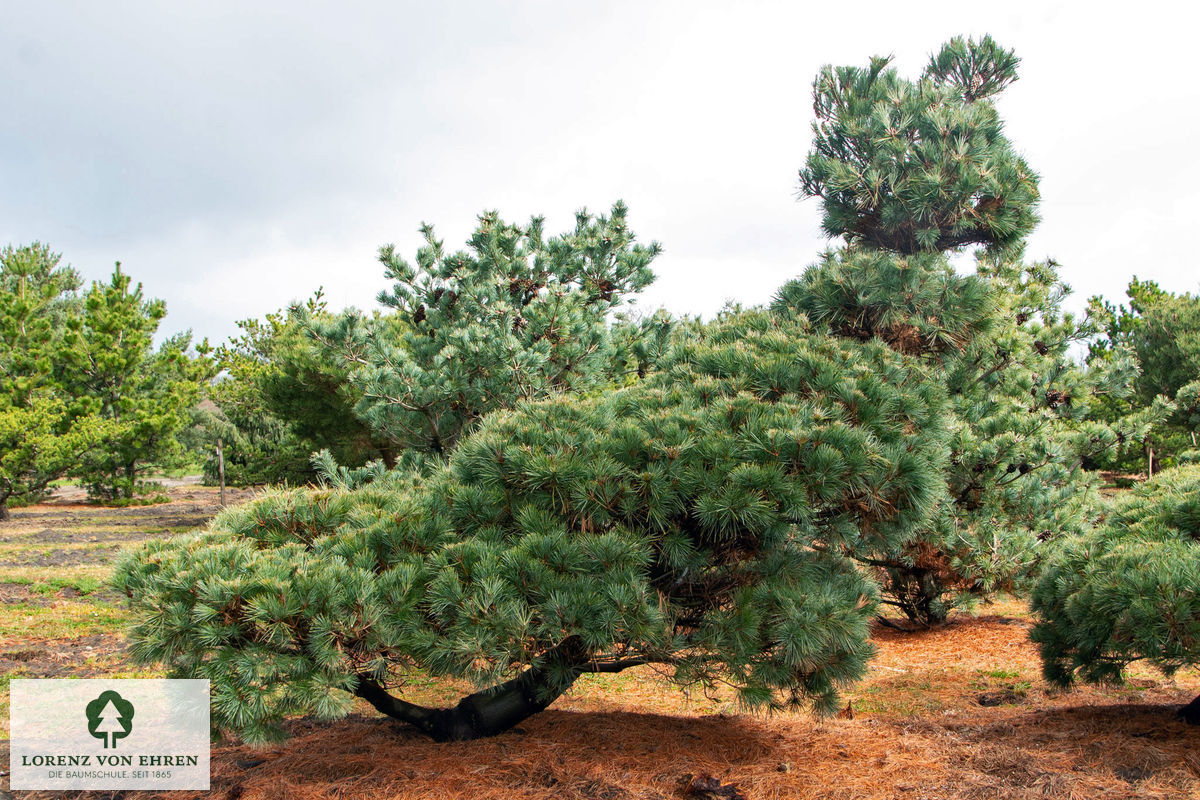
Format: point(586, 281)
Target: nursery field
point(957, 712)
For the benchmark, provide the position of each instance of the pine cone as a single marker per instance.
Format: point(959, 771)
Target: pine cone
point(1055, 398)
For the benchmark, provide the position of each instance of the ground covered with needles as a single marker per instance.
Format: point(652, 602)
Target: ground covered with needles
point(957, 712)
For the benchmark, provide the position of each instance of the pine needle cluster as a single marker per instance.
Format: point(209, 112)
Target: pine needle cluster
point(516, 315)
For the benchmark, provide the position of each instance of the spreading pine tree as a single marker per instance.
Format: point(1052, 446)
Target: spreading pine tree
point(1128, 591)
point(694, 520)
point(709, 517)
point(909, 172)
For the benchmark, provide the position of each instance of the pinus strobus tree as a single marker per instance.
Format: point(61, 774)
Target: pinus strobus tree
point(695, 519)
point(1128, 591)
point(517, 315)
point(909, 172)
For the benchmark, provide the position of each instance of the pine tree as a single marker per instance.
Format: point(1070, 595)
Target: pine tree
point(1187, 407)
point(41, 438)
point(1162, 330)
point(695, 519)
point(286, 396)
point(920, 166)
point(1128, 591)
point(910, 171)
point(116, 373)
point(515, 316)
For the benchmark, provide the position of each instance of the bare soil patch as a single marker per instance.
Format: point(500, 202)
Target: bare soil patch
point(61, 658)
point(60, 557)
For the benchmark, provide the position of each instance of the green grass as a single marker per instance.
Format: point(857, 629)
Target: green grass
point(52, 586)
point(78, 534)
point(5, 680)
point(97, 665)
point(61, 620)
point(12, 548)
point(76, 576)
point(905, 696)
point(185, 471)
point(1000, 680)
point(607, 682)
point(126, 502)
point(48, 626)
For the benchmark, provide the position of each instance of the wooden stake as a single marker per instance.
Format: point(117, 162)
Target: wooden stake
point(221, 468)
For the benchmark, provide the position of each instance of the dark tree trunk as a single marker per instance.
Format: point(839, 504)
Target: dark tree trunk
point(3, 509)
point(489, 711)
point(1191, 712)
point(919, 596)
point(389, 458)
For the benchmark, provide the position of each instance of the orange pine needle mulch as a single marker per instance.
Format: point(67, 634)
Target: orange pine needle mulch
point(918, 732)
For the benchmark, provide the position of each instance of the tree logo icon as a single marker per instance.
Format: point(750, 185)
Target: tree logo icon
point(110, 717)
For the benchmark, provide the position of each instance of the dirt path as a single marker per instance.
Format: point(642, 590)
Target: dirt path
point(56, 615)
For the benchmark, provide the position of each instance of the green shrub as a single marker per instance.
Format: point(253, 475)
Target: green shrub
point(1130, 591)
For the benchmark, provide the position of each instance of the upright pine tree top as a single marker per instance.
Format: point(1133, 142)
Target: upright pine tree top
point(910, 171)
point(920, 166)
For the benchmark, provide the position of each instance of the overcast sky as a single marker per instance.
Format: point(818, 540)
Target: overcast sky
point(234, 156)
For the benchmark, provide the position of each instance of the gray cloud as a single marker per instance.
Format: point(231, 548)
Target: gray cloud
point(235, 156)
